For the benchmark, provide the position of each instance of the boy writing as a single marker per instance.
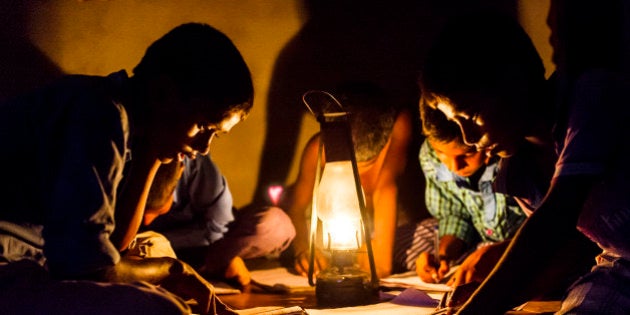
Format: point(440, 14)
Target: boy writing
point(459, 194)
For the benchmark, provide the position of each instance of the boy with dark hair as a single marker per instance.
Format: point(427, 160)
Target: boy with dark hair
point(72, 210)
point(474, 221)
point(508, 108)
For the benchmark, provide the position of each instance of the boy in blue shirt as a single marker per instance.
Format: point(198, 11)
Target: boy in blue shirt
point(190, 203)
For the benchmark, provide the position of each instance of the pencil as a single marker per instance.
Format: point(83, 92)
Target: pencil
point(436, 245)
point(436, 251)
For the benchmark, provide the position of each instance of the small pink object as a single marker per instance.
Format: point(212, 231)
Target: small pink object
point(274, 194)
point(489, 232)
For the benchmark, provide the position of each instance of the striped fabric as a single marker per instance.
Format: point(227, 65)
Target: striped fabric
point(411, 240)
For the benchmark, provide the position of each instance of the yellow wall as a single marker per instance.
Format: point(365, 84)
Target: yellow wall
point(100, 36)
point(533, 17)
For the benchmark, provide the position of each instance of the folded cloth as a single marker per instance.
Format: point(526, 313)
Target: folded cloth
point(150, 244)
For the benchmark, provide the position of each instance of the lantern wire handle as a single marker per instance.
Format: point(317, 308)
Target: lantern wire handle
point(329, 103)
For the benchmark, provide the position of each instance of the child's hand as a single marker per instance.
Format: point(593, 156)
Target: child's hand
point(301, 262)
point(185, 282)
point(429, 270)
point(477, 266)
point(237, 271)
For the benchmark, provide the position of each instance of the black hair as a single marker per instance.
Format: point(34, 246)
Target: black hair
point(482, 52)
point(202, 62)
point(437, 127)
point(372, 116)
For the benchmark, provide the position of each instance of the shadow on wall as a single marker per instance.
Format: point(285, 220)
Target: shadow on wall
point(22, 65)
point(344, 40)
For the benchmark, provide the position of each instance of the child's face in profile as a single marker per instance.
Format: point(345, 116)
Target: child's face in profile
point(459, 158)
point(200, 135)
point(191, 134)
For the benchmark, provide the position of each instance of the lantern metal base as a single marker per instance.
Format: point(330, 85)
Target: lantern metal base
point(344, 285)
point(345, 291)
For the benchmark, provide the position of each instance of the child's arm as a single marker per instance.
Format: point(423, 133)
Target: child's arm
point(385, 196)
point(300, 198)
point(132, 199)
point(429, 269)
point(169, 273)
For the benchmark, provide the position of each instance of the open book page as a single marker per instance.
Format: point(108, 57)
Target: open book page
point(280, 280)
point(222, 288)
point(386, 308)
point(373, 309)
point(411, 280)
point(273, 310)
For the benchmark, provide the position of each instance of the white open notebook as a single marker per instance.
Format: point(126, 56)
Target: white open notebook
point(411, 280)
point(280, 280)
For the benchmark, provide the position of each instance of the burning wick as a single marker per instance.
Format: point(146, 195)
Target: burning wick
point(274, 194)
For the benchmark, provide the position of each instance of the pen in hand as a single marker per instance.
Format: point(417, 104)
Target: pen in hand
point(436, 252)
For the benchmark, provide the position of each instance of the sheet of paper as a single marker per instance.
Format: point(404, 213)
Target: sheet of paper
point(411, 280)
point(222, 288)
point(273, 310)
point(386, 308)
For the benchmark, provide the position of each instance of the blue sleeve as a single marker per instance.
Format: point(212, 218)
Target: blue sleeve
point(202, 206)
point(210, 198)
